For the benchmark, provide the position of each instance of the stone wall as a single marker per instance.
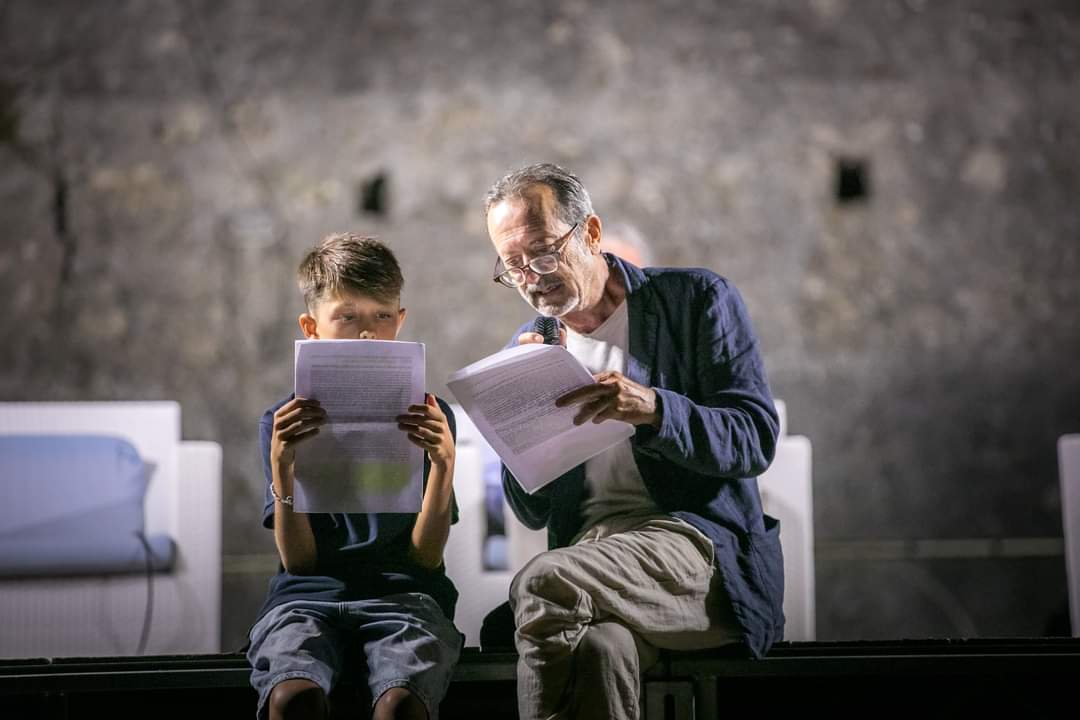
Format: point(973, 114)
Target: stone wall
point(164, 165)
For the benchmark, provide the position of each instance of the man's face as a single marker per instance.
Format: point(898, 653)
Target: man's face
point(351, 315)
point(525, 228)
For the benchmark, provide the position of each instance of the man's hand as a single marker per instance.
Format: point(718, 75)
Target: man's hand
point(294, 422)
point(527, 338)
point(427, 428)
point(613, 397)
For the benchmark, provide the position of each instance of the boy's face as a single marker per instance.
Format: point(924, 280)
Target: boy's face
point(351, 315)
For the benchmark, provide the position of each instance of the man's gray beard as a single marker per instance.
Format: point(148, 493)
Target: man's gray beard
point(550, 310)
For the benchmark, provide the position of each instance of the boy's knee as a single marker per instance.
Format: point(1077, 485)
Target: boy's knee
point(399, 704)
point(297, 698)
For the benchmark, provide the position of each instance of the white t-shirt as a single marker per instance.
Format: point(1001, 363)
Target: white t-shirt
point(613, 484)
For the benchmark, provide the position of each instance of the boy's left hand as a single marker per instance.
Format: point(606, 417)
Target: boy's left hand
point(427, 428)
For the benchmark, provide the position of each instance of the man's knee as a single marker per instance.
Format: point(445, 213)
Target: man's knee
point(539, 576)
point(297, 698)
point(399, 704)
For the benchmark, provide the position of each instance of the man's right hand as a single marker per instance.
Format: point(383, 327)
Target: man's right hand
point(294, 422)
point(528, 338)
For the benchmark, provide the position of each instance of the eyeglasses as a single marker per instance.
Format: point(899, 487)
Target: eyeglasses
point(513, 277)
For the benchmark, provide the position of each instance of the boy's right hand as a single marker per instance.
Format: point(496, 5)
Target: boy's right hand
point(294, 422)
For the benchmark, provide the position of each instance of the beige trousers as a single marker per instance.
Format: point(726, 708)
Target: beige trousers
point(591, 616)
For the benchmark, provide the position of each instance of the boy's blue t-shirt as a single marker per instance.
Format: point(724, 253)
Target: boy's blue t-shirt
point(360, 556)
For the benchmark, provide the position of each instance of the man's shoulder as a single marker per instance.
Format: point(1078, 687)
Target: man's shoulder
point(686, 281)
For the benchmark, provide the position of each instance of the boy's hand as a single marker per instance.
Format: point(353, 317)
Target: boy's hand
point(427, 428)
point(294, 422)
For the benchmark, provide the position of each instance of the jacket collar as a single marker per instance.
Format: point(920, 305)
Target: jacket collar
point(643, 320)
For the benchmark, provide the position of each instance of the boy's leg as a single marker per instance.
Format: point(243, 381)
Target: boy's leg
point(410, 647)
point(398, 703)
point(297, 699)
point(653, 577)
point(295, 655)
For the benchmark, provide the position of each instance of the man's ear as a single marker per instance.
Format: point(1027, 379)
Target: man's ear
point(401, 313)
point(593, 232)
point(308, 326)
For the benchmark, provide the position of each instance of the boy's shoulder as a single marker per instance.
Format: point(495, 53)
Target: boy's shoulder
point(268, 416)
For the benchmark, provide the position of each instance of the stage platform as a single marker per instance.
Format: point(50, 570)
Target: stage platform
point(1024, 678)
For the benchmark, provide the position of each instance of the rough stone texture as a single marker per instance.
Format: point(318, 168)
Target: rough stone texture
point(164, 165)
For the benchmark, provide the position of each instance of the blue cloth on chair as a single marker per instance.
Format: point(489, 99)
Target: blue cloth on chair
point(73, 504)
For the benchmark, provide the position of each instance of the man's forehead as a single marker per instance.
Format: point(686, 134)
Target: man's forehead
point(527, 219)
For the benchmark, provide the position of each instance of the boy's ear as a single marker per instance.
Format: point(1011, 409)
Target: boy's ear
point(401, 313)
point(308, 326)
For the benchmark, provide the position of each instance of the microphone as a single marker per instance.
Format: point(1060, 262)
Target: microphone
point(549, 328)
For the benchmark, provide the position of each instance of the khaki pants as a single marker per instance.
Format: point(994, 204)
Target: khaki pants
point(590, 616)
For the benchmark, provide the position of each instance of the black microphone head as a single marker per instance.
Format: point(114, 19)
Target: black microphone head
point(549, 328)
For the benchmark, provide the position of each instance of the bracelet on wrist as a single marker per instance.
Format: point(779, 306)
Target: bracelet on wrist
point(287, 500)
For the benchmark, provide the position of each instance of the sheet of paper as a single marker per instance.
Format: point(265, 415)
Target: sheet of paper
point(360, 462)
point(510, 397)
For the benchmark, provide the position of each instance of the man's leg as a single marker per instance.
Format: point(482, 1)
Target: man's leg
point(654, 578)
point(608, 663)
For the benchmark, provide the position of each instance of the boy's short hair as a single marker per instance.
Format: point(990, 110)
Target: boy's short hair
point(347, 261)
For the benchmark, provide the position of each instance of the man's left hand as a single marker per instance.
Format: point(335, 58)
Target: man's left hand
point(613, 397)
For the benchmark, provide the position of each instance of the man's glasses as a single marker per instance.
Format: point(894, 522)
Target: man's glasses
point(513, 277)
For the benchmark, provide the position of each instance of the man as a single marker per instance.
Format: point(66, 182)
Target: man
point(659, 542)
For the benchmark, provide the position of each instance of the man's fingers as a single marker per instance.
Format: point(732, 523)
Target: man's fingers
point(588, 411)
point(527, 338)
point(584, 394)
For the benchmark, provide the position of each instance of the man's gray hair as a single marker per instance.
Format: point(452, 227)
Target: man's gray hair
point(574, 204)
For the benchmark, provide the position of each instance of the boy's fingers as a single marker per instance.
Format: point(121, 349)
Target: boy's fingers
point(429, 426)
point(304, 435)
point(299, 430)
point(296, 416)
point(299, 403)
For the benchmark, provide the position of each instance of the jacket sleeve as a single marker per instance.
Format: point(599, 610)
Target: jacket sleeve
point(731, 431)
point(532, 510)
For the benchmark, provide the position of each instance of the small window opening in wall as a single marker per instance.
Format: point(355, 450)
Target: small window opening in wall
point(372, 197)
point(852, 181)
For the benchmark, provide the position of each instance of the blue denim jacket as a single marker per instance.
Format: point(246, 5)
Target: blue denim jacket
point(691, 341)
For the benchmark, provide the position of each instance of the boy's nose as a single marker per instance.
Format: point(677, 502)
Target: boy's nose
point(367, 334)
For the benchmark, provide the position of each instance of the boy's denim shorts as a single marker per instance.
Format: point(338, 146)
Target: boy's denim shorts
point(406, 641)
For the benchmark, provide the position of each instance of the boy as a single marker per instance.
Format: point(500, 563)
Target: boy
point(374, 582)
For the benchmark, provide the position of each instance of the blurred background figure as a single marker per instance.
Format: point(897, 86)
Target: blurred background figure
point(626, 241)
